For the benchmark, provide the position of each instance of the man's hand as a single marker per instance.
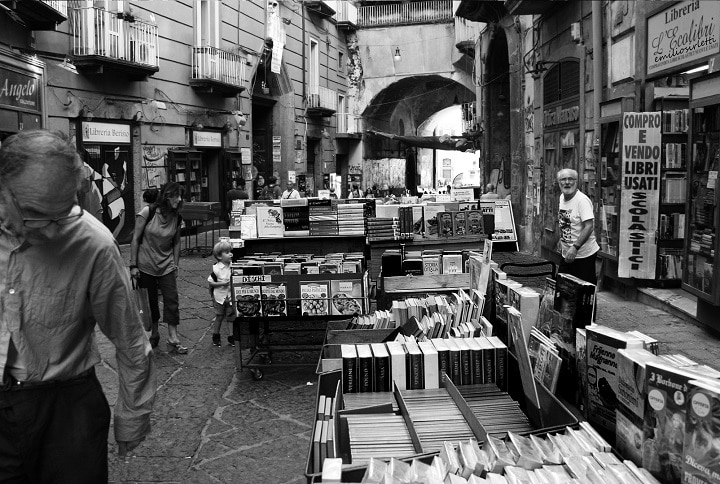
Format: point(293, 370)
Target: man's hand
point(571, 254)
point(125, 447)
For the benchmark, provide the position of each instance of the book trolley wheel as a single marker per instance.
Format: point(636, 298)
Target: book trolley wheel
point(257, 374)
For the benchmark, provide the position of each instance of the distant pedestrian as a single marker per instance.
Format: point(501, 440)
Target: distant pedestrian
point(271, 191)
point(332, 193)
point(576, 226)
point(237, 193)
point(219, 280)
point(290, 191)
point(355, 192)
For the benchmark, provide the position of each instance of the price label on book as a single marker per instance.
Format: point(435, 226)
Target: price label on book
point(255, 278)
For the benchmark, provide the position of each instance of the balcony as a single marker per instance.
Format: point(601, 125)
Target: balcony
point(438, 11)
point(346, 15)
point(348, 126)
point(321, 102)
point(466, 35)
point(320, 7)
point(38, 14)
point(531, 7)
point(104, 40)
point(217, 71)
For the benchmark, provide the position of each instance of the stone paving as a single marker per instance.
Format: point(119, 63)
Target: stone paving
point(214, 424)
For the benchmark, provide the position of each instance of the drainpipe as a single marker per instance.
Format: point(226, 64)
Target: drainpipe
point(302, 14)
point(597, 67)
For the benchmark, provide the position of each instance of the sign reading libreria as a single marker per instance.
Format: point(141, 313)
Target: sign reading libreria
point(640, 199)
point(683, 34)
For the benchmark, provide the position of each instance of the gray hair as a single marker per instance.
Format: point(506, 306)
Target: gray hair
point(38, 146)
point(569, 171)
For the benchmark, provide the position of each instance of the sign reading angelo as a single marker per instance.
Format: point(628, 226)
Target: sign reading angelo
point(19, 90)
point(683, 34)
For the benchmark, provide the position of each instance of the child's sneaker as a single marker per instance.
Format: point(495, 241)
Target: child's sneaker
point(231, 341)
point(216, 339)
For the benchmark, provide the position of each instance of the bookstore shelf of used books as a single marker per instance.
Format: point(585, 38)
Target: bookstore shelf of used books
point(504, 386)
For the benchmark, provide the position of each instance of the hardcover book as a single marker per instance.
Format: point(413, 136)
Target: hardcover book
point(365, 368)
point(350, 368)
point(270, 221)
point(430, 364)
point(414, 359)
point(430, 217)
point(445, 224)
point(459, 224)
point(381, 374)
point(397, 364)
point(701, 463)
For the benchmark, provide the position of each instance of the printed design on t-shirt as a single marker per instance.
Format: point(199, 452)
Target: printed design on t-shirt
point(564, 217)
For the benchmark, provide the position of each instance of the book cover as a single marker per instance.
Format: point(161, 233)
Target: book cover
point(347, 297)
point(459, 224)
point(248, 227)
point(701, 463)
point(632, 381)
point(664, 425)
point(270, 221)
point(274, 299)
point(629, 436)
point(381, 362)
point(452, 264)
point(581, 367)
point(443, 357)
point(431, 264)
point(465, 364)
point(547, 368)
point(476, 362)
point(489, 360)
point(364, 368)
point(445, 224)
point(350, 368)
point(501, 358)
point(314, 297)
point(603, 344)
point(430, 217)
point(247, 298)
point(454, 361)
point(526, 374)
point(474, 222)
point(418, 224)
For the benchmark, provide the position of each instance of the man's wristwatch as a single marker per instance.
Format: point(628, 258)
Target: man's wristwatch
point(577, 247)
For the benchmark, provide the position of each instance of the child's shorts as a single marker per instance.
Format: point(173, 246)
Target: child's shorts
point(224, 311)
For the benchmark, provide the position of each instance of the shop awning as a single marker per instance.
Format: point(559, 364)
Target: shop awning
point(444, 142)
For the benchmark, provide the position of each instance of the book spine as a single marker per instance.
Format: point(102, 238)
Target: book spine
point(349, 375)
point(501, 368)
point(465, 367)
point(443, 364)
point(382, 374)
point(455, 368)
point(415, 378)
point(366, 375)
point(476, 361)
point(489, 365)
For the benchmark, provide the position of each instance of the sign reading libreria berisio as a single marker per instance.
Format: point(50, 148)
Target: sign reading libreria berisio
point(18, 90)
point(640, 194)
point(683, 34)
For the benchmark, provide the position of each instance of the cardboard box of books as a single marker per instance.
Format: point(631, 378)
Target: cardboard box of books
point(346, 297)
point(247, 298)
point(702, 433)
point(314, 298)
point(274, 299)
point(603, 344)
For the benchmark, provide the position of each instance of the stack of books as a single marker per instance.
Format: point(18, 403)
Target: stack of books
point(296, 217)
point(350, 219)
point(379, 229)
point(322, 218)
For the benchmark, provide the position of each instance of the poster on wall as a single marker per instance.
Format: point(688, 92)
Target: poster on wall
point(640, 197)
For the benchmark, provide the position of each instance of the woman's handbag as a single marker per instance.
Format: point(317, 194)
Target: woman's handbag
point(143, 303)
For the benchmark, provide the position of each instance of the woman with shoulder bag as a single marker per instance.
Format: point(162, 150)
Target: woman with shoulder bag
point(155, 253)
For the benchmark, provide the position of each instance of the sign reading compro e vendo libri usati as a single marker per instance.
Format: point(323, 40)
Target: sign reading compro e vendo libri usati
point(640, 201)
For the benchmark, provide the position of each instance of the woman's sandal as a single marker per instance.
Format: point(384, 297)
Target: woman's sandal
point(176, 348)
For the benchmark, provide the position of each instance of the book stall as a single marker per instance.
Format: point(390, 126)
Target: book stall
point(502, 383)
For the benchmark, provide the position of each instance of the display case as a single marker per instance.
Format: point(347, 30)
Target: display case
point(673, 185)
point(609, 174)
point(701, 267)
point(186, 167)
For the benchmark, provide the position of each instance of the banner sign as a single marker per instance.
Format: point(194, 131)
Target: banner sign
point(207, 139)
point(105, 133)
point(682, 34)
point(640, 201)
point(18, 90)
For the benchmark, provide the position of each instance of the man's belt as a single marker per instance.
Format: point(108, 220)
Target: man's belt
point(10, 383)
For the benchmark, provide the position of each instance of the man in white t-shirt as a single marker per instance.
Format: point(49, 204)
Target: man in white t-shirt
point(290, 191)
point(576, 221)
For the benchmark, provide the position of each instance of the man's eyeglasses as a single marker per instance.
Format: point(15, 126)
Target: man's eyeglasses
point(567, 180)
point(39, 223)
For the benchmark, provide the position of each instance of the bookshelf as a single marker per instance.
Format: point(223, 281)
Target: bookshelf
point(700, 272)
point(186, 167)
point(673, 187)
point(609, 176)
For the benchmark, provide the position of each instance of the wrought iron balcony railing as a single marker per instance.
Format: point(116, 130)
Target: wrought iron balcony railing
point(99, 32)
point(436, 11)
point(60, 6)
point(322, 99)
point(219, 65)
